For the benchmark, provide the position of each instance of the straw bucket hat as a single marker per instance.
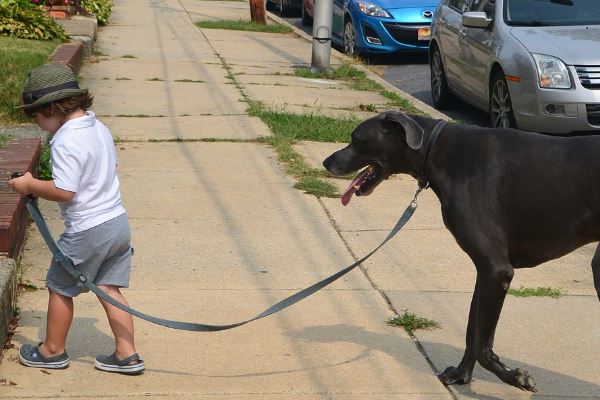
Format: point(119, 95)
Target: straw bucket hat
point(48, 83)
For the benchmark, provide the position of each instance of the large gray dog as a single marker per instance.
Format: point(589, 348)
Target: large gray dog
point(512, 199)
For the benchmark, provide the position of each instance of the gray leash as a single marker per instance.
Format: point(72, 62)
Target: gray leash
point(68, 265)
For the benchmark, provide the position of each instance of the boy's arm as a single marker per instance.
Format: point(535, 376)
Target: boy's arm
point(27, 184)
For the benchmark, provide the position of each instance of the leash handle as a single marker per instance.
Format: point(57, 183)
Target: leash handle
point(70, 267)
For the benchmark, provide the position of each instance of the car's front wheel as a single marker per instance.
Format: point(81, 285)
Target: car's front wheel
point(350, 39)
point(283, 9)
point(439, 85)
point(501, 110)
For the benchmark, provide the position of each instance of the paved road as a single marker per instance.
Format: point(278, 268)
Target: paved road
point(410, 73)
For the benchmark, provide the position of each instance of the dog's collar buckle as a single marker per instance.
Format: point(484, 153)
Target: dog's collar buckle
point(421, 187)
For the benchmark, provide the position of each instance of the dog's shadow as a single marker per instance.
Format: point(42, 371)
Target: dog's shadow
point(445, 355)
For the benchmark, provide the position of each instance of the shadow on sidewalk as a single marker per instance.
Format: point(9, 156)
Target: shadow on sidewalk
point(450, 355)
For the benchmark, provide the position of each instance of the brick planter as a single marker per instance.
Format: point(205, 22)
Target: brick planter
point(18, 155)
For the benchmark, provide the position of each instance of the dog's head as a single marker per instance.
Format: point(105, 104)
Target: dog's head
point(381, 144)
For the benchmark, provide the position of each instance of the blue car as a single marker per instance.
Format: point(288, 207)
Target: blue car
point(371, 27)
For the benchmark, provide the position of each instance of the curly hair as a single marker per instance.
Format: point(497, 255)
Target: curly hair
point(63, 107)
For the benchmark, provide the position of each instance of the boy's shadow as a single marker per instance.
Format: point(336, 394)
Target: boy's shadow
point(446, 355)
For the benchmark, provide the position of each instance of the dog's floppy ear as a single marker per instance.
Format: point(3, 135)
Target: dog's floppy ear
point(414, 132)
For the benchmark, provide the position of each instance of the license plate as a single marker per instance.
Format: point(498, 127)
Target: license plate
point(424, 33)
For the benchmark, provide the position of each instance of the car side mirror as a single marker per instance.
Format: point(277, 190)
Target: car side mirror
point(476, 19)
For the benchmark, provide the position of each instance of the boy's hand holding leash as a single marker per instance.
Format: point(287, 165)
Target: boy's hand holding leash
point(20, 182)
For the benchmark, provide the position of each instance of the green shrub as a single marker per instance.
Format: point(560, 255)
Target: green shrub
point(24, 19)
point(100, 8)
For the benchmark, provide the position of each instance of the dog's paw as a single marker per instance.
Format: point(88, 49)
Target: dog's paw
point(522, 380)
point(452, 375)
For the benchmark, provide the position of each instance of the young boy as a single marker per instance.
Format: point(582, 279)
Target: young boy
point(96, 237)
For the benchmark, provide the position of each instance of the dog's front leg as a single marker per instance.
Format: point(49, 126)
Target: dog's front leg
point(493, 282)
point(463, 373)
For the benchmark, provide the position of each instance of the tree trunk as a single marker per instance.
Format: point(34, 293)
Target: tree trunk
point(257, 11)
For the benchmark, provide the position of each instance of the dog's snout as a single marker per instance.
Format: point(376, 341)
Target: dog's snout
point(327, 163)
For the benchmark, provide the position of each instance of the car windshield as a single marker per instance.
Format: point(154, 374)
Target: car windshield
point(552, 12)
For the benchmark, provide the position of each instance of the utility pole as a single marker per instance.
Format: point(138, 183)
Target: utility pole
point(257, 11)
point(321, 45)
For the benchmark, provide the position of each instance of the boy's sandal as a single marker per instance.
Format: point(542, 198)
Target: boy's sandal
point(113, 364)
point(32, 357)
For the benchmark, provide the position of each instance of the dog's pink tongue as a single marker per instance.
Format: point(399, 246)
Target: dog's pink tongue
point(353, 187)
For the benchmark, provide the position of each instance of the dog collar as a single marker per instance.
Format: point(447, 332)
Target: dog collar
point(423, 181)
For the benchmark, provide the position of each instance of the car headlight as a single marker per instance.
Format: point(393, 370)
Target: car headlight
point(372, 9)
point(552, 72)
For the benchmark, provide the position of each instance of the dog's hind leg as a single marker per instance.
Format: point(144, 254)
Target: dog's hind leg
point(596, 270)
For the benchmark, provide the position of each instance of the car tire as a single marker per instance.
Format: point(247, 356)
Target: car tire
point(282, 9)
point(439, 84)
point(500, 109)
point(350, 39)
point(306, 19)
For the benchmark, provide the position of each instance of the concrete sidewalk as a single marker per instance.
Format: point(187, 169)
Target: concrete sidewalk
point(220, 234)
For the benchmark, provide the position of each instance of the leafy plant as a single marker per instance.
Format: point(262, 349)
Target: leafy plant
point(45, 170)
point(24, 19)
point(100, 8)
point(411, 322)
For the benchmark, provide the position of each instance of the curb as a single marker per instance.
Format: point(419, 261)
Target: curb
point(8, 293)
point(426, 108)
point(69, 54)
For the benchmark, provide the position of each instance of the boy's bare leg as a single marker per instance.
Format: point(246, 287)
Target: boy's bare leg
point(58, 322)
point(121, 323)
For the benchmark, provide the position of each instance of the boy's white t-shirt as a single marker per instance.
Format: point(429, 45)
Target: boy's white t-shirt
point(84, 161)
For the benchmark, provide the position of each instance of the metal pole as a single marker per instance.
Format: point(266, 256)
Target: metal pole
point(321, 46)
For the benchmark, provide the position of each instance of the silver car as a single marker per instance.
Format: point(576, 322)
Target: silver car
point(531, 64)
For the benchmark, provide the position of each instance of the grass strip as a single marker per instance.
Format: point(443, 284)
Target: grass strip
point(17, 58)
point(358, 80)
point(288, 128)
point(243, 25)
point(544, 291)
point(411, 322)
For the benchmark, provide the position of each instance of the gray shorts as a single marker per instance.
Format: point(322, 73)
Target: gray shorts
point(102, 254)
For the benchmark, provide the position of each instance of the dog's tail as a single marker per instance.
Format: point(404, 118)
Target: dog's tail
point(596, 270)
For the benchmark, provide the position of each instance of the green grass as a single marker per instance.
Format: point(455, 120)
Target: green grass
point(545, 291)
point(189, 80)
point(288, 128)
point(411, 322)
point(17, 58)
point(242, 25)
point(358, 80)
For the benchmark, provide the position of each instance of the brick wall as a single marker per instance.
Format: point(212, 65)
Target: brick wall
point(19, 155)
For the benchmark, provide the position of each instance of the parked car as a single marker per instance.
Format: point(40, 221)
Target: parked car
point(531, 64)
point(285, 8)
point(378, 26)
